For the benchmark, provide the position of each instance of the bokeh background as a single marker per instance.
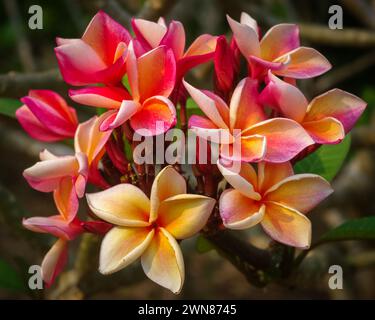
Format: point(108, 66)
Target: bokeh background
point(27, 61)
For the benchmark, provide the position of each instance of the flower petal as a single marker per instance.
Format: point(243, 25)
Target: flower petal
point(34, 127)
point(103, 97)
point(163, 262)
point(212, 106)
point(121, 246)
point(184, 215)
point(244, 180)
point(149, 33)
point(271, 173)
point(244, 108)
point(325, 131)
point(239, 212)
point(156, 73)
point(303, 63)
point(55, 225)
point(66, 199)
point(156, 116)
point(246, 19)
point(127, 110)
point(45, 175)
point(89, 139)
point(174, 39)
point(167, 183)
point(301, 191)
point(287, 225)
point(279, 40)
point(246, 38)
point(288, 99)
point(250, 148)
point(54, 261)
point(339, 104)
point(123, 205)
point(285, 138)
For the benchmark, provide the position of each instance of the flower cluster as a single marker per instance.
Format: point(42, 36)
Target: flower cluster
point(139, 82)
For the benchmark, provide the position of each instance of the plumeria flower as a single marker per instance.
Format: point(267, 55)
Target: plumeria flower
point(65, 230)
point(273, 140)
point(66, 176)
point(278, 51)
point(151, 79)
point(327, 118)
point(98, 57)
point(275, 198)
point(153, 34)
point(45, 116)
point(148, 228)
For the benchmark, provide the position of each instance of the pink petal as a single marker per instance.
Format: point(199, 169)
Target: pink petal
point(246, 19)
point(285, 138)
point(206, 129)
point(34, 127)
point(244, 108)
point(104, 34)
point(127, 110)
point(303, 63)
point(270, 174)
point(213, 106)
point(339, 104)
point(175, 39)
point(288, 99)
point(148, 33)
point(279, 40)
point(260, 67)
point(246, 38)
point(287, 225)
point(239, 212)
point(54, 262)
point(103, 97)
point(250, 148)
point(242, 177)
point(156, 116)
point(301, 191)
point(66, 199)
point(55, 225)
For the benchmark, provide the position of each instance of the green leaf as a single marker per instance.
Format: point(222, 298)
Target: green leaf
point(8, 106)
point(125, 82)
point(356, 229)
point(100, 111)
point(326, 161)
point(192, 108)
point(203, 245)
point(10, 278)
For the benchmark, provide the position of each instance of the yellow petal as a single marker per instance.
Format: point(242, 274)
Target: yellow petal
point(325, 131)
point(239, 212)
point(301, 191)
point(167, 183)
point(185, 215)
point(121, 246)
point(163, 262)
point(123, 205)
point(287, 225)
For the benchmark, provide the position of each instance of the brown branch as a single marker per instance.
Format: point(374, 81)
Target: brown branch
point(16, 84)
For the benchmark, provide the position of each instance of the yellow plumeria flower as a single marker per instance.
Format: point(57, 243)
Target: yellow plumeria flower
point(148, 228)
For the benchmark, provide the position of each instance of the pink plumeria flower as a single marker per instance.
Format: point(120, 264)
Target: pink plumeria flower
point(151, 79)
point(66, 176)
point(45, 116)
point(275, 198)
point(65, 230)
point(327, 118)
point(273, 140)
point(278, 51)
point(148, 228)
point(153, 34)
point(98, 57)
